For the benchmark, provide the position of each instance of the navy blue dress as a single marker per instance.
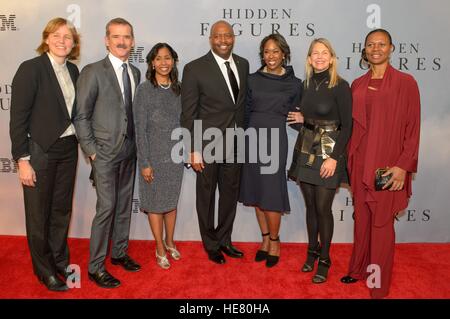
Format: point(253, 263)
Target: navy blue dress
point(269, 99)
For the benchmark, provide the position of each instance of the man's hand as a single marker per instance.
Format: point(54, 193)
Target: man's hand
point(27, 174)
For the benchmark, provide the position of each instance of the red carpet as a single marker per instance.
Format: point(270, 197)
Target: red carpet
point(420, 271)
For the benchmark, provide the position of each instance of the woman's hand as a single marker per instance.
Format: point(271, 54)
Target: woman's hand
point(147, 174)
point(196, 161)
point(397, 180)
point(328, 168)
point(295, 117)
point(27, 174)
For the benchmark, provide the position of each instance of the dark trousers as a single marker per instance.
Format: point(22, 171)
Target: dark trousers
point(48, 205)
point(114, 183)
point(226, 176)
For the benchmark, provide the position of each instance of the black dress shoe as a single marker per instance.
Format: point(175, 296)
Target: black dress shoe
point(104, 279)
point(216, 257)
point(64, 273)
point(348, 280)
point(232, 251)
point(127, 263)
point(53, 283)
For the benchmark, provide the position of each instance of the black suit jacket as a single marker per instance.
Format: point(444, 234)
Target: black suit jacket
point(205, 95)
point(38, 108)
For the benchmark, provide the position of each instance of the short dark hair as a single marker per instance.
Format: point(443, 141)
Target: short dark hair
point(280, 42)
point(363, 52)
point(151, 73)
point(118, 21)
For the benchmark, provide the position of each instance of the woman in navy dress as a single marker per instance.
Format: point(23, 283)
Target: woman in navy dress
point(273, 91)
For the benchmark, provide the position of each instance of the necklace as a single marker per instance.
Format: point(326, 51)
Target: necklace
point(165, 86)
point(320, 83)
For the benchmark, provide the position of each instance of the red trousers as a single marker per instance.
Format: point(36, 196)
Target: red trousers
point(373, 244)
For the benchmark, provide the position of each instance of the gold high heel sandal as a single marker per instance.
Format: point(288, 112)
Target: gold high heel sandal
point(162, 261)
point(174, 253)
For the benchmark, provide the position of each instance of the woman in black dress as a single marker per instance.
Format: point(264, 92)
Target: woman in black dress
point(273, 92)
point(319, 162)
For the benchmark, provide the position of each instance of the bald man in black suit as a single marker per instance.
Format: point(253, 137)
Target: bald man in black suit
point(213, 91)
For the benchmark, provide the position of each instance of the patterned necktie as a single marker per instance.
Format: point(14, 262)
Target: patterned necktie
point(233, 82)
point(128, 100)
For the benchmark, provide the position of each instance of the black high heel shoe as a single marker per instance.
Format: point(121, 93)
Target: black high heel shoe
point(311, 258)
point(348, 280)
point(272, 260)
point(261, 255)
point(322, 271)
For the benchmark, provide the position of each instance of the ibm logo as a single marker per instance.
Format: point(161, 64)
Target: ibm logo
point(135, 206)
point(8, 22)
point(136, 55)
point(5, 97)
point(8, 165)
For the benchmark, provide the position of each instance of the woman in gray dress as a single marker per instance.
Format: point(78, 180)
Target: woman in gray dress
point(156, 112)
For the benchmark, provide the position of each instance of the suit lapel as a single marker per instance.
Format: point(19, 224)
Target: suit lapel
point(242, 79)
point(74, 78)
point(218, 74)
point(110, 75)
point(135, 75)
point(55, 84)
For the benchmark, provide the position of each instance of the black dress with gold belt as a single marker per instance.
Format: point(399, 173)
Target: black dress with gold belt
point(325, 132)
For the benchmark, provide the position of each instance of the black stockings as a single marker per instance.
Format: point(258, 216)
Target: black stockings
point(319, 218)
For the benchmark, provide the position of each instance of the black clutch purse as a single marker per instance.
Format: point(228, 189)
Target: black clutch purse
point(380, 180)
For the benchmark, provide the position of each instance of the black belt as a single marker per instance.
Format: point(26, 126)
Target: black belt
point(326, 125)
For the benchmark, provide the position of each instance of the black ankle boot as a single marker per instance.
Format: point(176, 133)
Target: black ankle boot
point(261, 255)
point(311, 258)
point(322, 271)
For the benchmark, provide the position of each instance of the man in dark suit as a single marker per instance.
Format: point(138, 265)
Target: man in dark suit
point(44, 144)
point(213, 91)
point(104, 123)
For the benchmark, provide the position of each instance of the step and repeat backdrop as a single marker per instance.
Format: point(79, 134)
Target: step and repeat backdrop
point(417, 28)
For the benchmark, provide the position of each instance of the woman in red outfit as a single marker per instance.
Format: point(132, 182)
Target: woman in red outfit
point(386, 129)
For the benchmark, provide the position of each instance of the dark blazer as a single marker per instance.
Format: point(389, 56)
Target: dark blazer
point(205, 95)
point(100, 117)
point(36, 110)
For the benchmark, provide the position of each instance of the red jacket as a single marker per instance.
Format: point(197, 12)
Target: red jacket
point(392, 138)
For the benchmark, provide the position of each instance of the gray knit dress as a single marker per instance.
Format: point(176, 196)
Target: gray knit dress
point(156, 112)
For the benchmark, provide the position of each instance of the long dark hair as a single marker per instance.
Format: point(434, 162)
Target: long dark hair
point(363, 52)
point(151, 73)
